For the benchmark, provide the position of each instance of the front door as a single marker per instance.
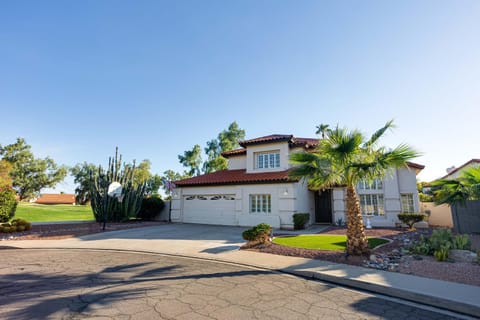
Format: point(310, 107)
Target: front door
point(323, 206)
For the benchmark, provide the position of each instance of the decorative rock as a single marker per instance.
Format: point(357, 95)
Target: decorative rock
point(373, 258)
point(421, 225)
point(462, 255)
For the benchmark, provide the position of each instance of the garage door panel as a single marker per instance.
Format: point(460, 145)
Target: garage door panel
point(212, 209)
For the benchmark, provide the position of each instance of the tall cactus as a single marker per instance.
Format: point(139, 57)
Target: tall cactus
point(106, 208)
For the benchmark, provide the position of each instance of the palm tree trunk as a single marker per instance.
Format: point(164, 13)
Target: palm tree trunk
point(357, 243)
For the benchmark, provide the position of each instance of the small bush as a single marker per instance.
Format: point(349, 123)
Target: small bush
point(260, 233)
point(461, 242)
point(16, 225)
point(300, 219)
point(8, 204)
point(441, 254)
point(411, 218)
point(151, 207)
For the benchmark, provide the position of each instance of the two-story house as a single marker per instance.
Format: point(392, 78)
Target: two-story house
point(256, 188)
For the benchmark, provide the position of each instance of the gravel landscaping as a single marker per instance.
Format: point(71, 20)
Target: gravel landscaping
point(392, 256)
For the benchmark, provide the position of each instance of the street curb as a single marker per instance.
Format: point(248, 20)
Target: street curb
point(437, 302)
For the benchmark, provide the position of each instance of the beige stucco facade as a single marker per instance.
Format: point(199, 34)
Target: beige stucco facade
point(286, 198)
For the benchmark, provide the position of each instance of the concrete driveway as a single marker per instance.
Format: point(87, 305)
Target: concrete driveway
point(180, 239)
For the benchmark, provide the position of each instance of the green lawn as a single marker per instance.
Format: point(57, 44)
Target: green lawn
point(322, 242)
point(58, 212)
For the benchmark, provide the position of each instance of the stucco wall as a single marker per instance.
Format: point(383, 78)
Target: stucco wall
point(237, 162)
point(440, 216)
point(395, 183)
point(283, 199)
point(304, 200)
point(252, 150)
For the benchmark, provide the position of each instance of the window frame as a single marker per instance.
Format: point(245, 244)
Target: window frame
point(260, 203)
point(267, 159)
point(410, 204)
point(374, 200)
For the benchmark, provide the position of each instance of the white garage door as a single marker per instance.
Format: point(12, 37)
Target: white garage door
point(209, 209)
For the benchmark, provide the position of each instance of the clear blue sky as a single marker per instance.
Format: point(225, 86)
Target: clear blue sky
point(78, 78)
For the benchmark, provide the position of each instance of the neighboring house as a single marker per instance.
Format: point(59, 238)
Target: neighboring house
point(256, 188)
point(49, 198)
point(454, 173)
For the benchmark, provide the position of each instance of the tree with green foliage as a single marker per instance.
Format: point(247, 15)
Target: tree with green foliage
point(323, 129)
point(81, 176)
point(344, 158)
point(5, 169)
point(227, 140)
point(458, 191)
point(29, 174)
point(192, 160)
point(152, 185)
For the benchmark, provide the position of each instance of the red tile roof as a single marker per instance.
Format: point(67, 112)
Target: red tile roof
point(461, 167)
point(266, 139)
point(232, 153)
point(415, 165)
point(240, 176)
point(293, 142)
point(49, 198)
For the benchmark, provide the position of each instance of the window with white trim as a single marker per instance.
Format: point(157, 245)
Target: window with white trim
point(372, 204)
point(407, 203)
point(376, 184)
point(267, 160)
point(260, 203)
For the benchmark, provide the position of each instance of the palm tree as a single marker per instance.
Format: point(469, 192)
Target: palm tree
point(322, 129)
point(458, 191)
point(345, 158)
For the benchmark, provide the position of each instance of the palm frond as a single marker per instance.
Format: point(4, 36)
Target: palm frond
point(378, 134)
point(450, 192)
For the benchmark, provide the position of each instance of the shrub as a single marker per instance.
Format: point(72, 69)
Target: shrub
point(461, 242)
point(151, 207)
point(300, 219)
point(441, 254)
point(21, 223)
point(16, 225)
point(260, 233)
point(411, 218)
point(8, 204)
point(440, 238)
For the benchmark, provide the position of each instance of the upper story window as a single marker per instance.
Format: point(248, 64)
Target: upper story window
point(376, 184)
point(267, 160)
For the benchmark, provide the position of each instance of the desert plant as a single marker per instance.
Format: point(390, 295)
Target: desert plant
point(440, 238)
point(411, 218)
point(300, 219)
point(6, 229)
point(461, 242)
point(151, 207)
point(8, 204)
point(441, 254)
point(259, 233)
point(340, 222)
point(421, 247)
point(106, 208)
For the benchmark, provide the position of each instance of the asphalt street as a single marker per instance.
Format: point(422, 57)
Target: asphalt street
point(96, 284)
